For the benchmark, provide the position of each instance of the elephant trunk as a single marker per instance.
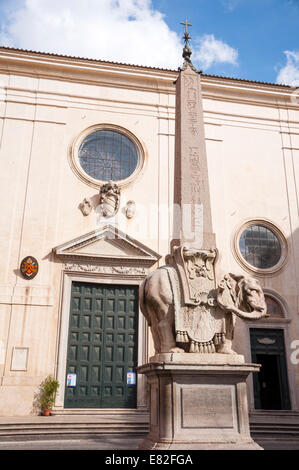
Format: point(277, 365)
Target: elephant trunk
point(253, 315)
point(226, 303)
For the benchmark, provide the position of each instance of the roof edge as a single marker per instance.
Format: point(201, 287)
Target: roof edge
point(144, 67)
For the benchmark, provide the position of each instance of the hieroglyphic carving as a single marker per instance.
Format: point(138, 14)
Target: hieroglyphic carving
point(193, 152)
point(192, 104)
point(194, 159)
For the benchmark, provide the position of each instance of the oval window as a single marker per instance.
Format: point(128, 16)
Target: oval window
point(108, 155)
point(260, 246)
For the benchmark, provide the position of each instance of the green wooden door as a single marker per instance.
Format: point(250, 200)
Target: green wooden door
point(102, 345)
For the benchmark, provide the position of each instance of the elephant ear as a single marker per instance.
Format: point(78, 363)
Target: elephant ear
point(226, 294)
point(240, 292)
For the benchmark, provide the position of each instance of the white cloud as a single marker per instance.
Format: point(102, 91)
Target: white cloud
point(231, 5)
point(210, 51)
point(289, 74)
point(129, 31)
point(126, 30)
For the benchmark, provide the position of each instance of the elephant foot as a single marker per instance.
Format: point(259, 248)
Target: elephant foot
point(226, 350)
point(176, 350)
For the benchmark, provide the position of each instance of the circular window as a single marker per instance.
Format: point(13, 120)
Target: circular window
point(105, 154)
point(261, 247)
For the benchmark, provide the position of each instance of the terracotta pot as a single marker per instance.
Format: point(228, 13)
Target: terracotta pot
point(46, 412)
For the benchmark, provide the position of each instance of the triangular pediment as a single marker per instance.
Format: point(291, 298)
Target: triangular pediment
point(106, 243)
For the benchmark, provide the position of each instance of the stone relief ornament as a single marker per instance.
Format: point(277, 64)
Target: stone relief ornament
point(99, 269)
point(130, 209)
point(85, 207)
point(196, 269)
point(188, 312)
point(109, 199)
point(267, 341)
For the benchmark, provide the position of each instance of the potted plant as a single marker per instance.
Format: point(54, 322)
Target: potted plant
point(47, 394)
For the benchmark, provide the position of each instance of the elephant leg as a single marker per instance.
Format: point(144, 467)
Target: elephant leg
point(156, 301)
point(166, 333)
point(226, 347)
point(156, 339)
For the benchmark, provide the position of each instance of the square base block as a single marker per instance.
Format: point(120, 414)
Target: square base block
point(198, 402)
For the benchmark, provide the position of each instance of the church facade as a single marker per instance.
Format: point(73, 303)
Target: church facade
point(88, 182)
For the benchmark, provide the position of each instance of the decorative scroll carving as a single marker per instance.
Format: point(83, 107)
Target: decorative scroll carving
point(102, 269)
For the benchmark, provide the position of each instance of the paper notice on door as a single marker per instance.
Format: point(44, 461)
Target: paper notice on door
point(131, 378)
point(71, 380)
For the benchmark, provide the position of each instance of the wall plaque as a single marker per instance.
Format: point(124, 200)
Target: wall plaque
point(29, 267)
point(19, 359)
point(207, 407)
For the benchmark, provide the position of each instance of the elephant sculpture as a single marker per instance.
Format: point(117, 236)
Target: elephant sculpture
point(188, 312)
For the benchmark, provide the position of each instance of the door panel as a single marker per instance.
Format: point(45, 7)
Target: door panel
point(271, 390)
point(102, 345)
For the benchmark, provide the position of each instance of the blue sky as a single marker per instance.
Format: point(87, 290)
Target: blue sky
point(260, 30)
point(250, 39)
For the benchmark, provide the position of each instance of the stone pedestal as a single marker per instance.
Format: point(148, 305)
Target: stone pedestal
point(198, 402)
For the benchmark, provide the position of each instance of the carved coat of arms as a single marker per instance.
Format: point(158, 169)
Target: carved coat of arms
point(195, 322)
point(109, 199)
point(196, 270)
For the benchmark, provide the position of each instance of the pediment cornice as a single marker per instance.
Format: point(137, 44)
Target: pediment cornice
point(106, 245)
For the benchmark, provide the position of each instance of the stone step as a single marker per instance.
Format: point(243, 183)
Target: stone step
point(131, 424)
point(89, 429)
point(275, 434)
point(275, 426)
point(270, 427)
point(82, 423)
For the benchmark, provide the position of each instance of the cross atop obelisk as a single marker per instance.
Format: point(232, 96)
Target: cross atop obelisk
point(187, 51)
point(186, 24)
point(192, 218)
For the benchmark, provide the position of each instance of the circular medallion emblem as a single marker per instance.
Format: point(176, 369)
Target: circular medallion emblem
point(29, 267)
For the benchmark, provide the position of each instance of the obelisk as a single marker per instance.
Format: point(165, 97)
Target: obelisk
point(192, 213)
point(197, 383)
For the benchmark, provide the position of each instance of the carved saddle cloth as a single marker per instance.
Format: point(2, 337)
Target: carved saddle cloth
point(199, 322)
